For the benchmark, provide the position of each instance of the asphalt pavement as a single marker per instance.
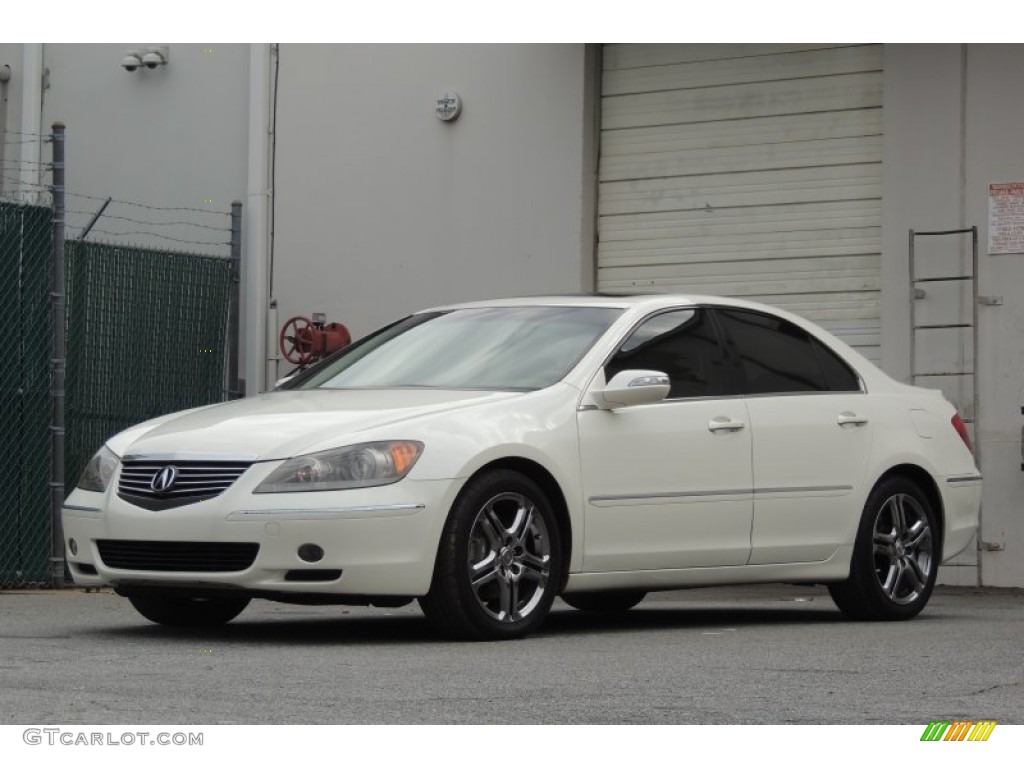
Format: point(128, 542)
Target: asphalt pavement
point(744, 655)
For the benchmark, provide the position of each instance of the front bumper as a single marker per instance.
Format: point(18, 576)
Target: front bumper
point(383, 540)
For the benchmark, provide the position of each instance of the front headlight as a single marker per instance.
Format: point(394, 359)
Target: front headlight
point(355, 466)
point(99, 470)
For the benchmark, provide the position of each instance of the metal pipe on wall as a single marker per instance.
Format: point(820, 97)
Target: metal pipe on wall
point(29, 178)
point(5, 78)
point(233, 387)
point(256, 234)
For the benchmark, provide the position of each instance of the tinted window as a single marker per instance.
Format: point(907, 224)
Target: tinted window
point(774, 355)
point(839, 376)
point(682, 344)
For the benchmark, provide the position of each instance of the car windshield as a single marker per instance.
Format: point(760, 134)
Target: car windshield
point(494, 348)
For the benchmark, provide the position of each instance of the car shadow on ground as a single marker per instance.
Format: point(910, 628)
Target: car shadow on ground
point(411, 627)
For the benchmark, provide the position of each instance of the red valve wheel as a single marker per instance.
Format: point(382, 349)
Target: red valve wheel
point(296, 340)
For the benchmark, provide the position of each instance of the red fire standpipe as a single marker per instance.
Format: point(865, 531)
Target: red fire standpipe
point(304, 341)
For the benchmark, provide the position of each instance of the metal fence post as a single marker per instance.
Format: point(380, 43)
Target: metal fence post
point(57, 360)
point(234, 387)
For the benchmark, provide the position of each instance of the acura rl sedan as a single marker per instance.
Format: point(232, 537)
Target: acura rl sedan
point(485, 458)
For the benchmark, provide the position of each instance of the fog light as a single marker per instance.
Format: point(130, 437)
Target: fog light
point(311, 553)
point(73, 546)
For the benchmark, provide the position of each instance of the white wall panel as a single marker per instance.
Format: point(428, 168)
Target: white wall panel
point(383, 209)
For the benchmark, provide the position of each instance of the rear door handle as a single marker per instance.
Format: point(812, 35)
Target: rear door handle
point(724, 424)
point(849, 417)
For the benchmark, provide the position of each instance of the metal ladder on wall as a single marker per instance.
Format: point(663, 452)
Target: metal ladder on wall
point(919, 291)
point(947, 380)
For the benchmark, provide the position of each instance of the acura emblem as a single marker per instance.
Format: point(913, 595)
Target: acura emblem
point(164, 479)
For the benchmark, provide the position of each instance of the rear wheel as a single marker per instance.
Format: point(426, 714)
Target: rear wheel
point(498, 562)
point(607, 602)
point(896, 556)
point(182, 611)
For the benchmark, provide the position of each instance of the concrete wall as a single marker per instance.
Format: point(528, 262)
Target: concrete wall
point(952, 126)
point(995, 153)
point(382, 208)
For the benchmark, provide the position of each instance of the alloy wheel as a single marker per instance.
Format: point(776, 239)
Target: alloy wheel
point(509, 558)
point(902, 544)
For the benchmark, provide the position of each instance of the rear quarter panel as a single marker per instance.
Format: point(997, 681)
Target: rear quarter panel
point(914, 427)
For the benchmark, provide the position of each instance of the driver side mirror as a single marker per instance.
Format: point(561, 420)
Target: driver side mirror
point(636, 387)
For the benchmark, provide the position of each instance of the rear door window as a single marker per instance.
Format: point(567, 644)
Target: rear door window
point(773, 355)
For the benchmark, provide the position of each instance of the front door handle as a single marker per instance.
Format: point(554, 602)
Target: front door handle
point(849, 417)
point(724, 424)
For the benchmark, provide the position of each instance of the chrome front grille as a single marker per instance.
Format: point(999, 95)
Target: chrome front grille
point(158, 484)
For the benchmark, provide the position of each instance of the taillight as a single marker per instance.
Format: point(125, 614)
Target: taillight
point(961, 429)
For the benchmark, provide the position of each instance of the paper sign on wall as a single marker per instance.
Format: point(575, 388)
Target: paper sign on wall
point(1006, 217)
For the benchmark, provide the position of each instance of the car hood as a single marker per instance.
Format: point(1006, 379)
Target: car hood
point(278, 425)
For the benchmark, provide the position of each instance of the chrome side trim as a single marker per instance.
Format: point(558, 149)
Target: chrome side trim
point(808, 489)
point(599, 501)
point(328, 513)
point(964, 479)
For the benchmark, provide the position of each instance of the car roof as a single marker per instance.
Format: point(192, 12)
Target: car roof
point(640, 301)
point(641, 304)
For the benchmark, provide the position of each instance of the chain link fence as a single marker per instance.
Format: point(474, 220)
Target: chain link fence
point(26, 251)
point(147, 336)
point(147, 333)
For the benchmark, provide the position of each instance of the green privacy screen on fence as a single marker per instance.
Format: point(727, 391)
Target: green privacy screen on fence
point(146, 336)
point(25, 411)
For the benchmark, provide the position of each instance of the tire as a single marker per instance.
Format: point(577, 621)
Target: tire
point(617, 601)
point(182, 611)
point(499, 560)
point(895, 557)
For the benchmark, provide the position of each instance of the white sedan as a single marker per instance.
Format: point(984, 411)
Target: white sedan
point(486, 458)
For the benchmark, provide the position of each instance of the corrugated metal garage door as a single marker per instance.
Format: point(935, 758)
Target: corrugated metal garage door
point(746, 170)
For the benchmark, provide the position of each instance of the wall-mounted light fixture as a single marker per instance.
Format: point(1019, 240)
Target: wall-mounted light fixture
point(449, 106)
point(146, 58)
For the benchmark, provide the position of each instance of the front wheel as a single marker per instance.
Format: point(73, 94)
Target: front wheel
point(499, 560)
point(895, 557)
point(182, 611)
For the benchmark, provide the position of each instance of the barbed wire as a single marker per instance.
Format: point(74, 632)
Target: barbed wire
point(158, 235)
point(18, 187)
point(154, 223)
point(43, 136)
point(5, 197)
point(21, 183)
point(24, 162)
point(149, 207)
